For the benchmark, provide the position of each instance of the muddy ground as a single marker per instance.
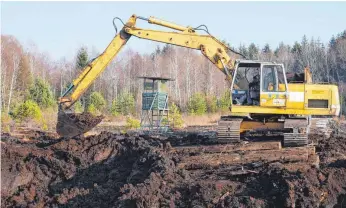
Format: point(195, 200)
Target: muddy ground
point(117, 170)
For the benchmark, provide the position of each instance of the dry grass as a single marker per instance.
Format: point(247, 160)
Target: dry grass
point(49, 119)
point(113, 121)
point(204, 120)
point(6, 122)
point(50, 116)
point(46, 123)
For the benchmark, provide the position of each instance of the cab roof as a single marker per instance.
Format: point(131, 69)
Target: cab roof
point(254, 63)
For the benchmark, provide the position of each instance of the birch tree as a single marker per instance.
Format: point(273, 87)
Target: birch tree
point(15, 63)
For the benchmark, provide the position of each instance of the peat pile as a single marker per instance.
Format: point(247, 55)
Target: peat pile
point(332, 149)
point(191, 138)
point(91, 171)
point(116, 170)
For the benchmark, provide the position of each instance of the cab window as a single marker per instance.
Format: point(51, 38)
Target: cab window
point(273, 79)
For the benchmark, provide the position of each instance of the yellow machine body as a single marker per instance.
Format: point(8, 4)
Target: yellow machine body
point(299, 100)
point(277, 103)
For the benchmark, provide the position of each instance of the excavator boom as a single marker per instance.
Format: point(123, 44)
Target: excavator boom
point(263, 99)
point(213, 49)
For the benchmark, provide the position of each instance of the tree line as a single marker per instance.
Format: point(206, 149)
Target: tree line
point(198, 86)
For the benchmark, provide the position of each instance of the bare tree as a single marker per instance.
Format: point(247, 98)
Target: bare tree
point(15, 63)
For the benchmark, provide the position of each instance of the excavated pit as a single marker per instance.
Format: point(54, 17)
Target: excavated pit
point(120, 170)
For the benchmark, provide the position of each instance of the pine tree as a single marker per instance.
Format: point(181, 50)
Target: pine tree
point(266, 49)
point(82, 59)
point(40, 92)
point(175, 118)
point(157, 50)
point(116, 107)
point(243, 50)
point(281, 47)
point(332, 42)
point(81, 62)
point(343, 35)
point(166, 49)
point(27, 110)
point(97, 100)
point(197, 104)
point(253, 52)
point(297, 48)
point(267, 53)
point(156, 53)
point(304, 41)
point(124, 105)
point(128, 104)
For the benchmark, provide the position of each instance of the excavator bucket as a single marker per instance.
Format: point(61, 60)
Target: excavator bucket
point(73, 124)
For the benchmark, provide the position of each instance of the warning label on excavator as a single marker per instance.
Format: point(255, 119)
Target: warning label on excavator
point(279, 102)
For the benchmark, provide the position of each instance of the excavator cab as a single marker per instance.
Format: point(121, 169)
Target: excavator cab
point(273, 85)
point(259, 84)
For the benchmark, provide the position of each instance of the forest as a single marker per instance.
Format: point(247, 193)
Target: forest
point(31, 81)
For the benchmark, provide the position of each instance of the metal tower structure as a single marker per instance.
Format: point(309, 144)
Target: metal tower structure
point(155, 115)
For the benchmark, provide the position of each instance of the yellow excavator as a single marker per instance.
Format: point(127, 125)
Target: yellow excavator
point(265, 99)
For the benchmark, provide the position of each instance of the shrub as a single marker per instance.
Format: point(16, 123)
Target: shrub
point(27, 110)
point(40, 93)
point(124, 105)
point(225, 101)
point(164, 121)
point(91, 109)
point(211, 104)
point(128, 104)
point(175, 117)
point(5, 118)
point(97, 100)
point(116, 108)
point(5, 122)
point(132, 123)
point(197, 104)
point(78, 108)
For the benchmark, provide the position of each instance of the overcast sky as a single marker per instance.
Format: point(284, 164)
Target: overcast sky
point(60, 28)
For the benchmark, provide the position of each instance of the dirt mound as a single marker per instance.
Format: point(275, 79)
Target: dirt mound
point(84, 172)
point(187, 138)
point(117, 170)
point(331, 149)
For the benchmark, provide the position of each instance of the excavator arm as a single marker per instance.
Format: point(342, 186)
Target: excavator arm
point(211, 48)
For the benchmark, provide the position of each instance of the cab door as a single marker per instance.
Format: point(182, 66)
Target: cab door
point(273, 89)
